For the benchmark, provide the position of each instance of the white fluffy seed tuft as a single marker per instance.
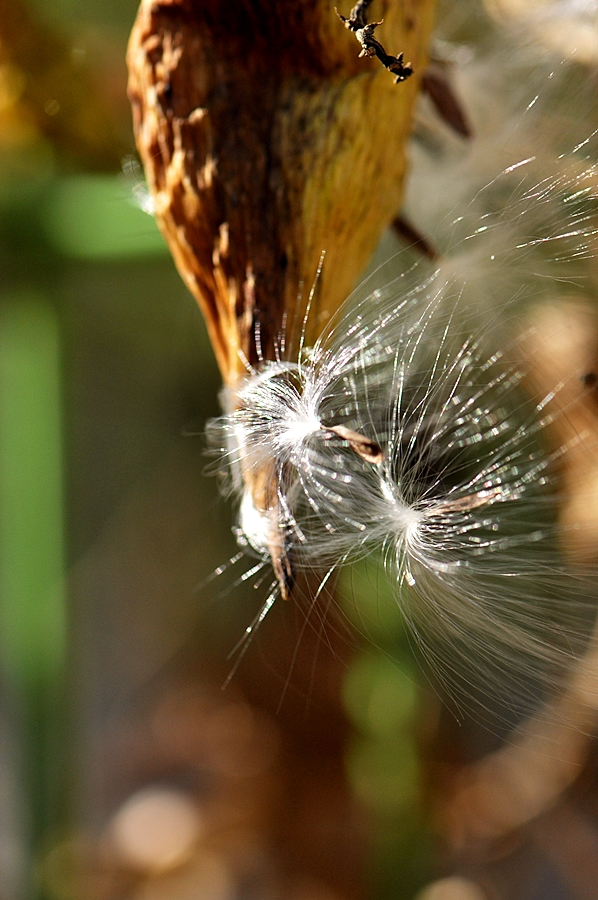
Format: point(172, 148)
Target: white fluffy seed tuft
point(412, 428)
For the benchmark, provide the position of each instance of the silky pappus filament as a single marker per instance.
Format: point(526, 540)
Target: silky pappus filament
point(403, 433)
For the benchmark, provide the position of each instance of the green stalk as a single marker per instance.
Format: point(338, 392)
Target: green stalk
point(32, 599)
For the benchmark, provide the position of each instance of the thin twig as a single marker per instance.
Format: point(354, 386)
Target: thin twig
point(369, 45)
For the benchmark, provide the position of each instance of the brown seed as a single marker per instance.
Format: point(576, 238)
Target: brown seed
point(368, 449)
point(471, 501)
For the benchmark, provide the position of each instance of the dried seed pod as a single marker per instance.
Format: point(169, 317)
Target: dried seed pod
point(266, 140)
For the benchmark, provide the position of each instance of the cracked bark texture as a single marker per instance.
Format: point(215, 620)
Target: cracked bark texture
point(266, 140)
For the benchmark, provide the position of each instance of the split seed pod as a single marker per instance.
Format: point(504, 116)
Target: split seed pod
point(268, 139)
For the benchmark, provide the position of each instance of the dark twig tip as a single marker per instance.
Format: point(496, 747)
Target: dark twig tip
point(356, 22)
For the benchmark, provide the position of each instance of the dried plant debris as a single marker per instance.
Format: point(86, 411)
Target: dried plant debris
point(369, 45)
point(436, 83)
point(409, 233)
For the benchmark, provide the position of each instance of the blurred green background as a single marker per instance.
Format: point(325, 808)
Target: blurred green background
point(108, 526)
point(142, 755)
